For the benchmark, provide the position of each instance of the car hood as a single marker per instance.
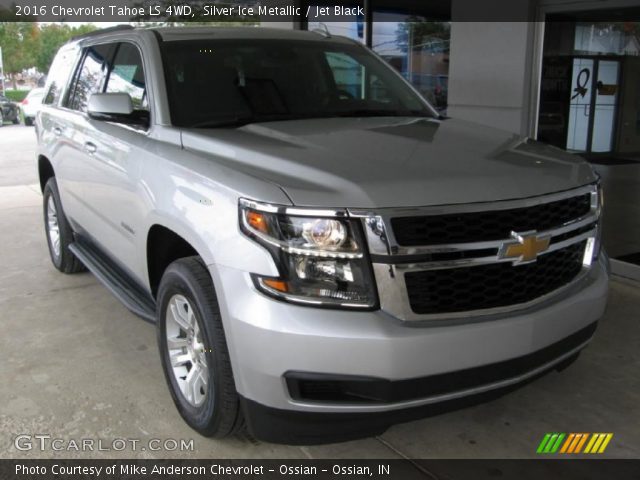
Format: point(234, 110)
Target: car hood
point(391, 162)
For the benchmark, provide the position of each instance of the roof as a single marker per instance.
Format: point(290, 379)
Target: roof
point(205, 33)
point(245, 33)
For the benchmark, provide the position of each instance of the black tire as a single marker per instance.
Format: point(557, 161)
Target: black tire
point(64, 260)
point(1, 118)
point(220, 414)
point(28, 121)
point(16, 120)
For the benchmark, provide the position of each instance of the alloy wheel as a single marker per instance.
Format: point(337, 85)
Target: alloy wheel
point(187, 350)
point(53, 227)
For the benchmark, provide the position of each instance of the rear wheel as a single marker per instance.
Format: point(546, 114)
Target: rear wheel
point(1, 118)
point(58, 231)
point(28, 121)
point(16, 120)
point(194, 351)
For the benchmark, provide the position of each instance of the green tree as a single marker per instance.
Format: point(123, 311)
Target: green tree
point(51, 38)
point(422, 33)
point(19, 42)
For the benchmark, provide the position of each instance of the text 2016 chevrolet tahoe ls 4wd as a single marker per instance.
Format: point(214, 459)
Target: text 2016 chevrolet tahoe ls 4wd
point(322, 254)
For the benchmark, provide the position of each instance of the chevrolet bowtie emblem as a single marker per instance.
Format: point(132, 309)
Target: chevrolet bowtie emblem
point(525, 247)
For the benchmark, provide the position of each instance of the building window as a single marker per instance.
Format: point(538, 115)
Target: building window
point(418, 49)
point(336, 25)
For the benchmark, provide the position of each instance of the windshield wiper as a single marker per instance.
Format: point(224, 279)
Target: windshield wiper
point(241, 121)
point(246, 120)
point(381, 113)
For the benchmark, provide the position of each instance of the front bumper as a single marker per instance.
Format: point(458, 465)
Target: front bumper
point(268, 340)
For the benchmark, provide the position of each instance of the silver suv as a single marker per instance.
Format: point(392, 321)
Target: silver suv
point(322, 254)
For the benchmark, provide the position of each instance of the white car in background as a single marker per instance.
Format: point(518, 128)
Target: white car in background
point(31, 104)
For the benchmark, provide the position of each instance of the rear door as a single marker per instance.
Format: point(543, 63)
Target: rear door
point(69, 131)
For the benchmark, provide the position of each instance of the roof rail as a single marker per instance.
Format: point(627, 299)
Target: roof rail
point(117, 28)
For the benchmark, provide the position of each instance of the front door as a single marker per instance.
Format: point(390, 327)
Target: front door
point(593, 105)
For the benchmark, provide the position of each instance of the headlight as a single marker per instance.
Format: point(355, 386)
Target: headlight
point(594, 244)
point(321, 259)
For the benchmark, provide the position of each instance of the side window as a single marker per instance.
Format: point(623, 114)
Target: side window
point(59, 75)
point(91, 77)
point(127, 76)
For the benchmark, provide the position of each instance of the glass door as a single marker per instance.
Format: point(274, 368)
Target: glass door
point(593, 105)
point(581, 96)
point(605, 105)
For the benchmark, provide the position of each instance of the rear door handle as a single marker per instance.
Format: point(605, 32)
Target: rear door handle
point(57, 131)
point(90, 148)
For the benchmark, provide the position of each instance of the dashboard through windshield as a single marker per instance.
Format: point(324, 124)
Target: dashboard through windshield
point(217, 83)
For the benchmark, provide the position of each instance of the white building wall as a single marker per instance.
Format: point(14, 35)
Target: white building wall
point(490, 73)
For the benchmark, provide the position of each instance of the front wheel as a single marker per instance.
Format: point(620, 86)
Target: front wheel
point(194, 353)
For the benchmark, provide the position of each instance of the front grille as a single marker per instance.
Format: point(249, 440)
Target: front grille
point(492, 285)
point(488, 225)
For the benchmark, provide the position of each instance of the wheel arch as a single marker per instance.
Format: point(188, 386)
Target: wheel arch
point(45, 171)
point(163, 247)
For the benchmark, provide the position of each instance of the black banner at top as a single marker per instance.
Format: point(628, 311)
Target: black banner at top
point(301, 11)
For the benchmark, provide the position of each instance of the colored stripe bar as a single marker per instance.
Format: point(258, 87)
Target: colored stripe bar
point(556, 446)
point(596, 446)
point(590, 444)
point(581, 443)
point(567, 442)
point(573, 445)
point(606, 441)
point(543, 443)
point(594, 437)
point(550, 443)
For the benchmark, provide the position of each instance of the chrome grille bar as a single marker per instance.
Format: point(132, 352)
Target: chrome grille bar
point(391, 261)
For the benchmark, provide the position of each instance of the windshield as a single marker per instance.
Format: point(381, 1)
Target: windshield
point(217, 83)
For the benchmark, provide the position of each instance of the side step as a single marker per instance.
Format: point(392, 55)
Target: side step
point(125, 290)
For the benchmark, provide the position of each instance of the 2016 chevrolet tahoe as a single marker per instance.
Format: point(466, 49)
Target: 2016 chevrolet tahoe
point(323, 255)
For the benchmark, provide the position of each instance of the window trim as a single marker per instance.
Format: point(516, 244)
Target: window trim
point(75, 52)
point(71, 90)
point(146, 83)
point(79, 62)
point(144, 70)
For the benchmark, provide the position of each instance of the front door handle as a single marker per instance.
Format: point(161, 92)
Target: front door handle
point(90, 148)
point(57, 131)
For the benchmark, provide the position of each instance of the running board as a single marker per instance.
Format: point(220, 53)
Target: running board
point(125, 290)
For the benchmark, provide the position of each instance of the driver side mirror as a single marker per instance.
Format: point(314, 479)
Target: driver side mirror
point(117, 108)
